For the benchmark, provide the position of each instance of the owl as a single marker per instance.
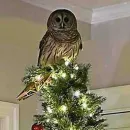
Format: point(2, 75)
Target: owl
point(62, 39)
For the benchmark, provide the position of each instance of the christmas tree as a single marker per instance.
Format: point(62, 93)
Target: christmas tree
point(63, 84)
point(67, 102)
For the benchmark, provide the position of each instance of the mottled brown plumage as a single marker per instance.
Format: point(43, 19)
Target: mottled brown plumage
point(62, 40)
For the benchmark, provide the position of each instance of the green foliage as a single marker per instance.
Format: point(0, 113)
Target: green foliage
point(66, 101)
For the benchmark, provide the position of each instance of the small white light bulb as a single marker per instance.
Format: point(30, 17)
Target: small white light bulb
point(72, 75)
point(54, 76)
point(63, 108)
point(84, 105)
point(90, 114)
point(63, 75)
point(76, 67)
point(77, 93)
point(67, 63)
point(49, 109)
point(84, 99)
point(71, 128)
point(38, 77)
point(48, 120)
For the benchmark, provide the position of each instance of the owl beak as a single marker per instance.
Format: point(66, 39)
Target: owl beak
point(62, 25)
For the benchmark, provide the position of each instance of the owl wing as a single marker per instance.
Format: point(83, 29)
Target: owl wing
point(52, 51)
point(71, 50)
point(77, 47)
point(42, 45)
point(81, 45)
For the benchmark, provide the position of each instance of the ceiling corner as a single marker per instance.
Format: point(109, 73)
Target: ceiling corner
point(111, 12)
point(89, 15)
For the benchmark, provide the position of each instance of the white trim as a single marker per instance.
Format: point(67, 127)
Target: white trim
point(92, 16)
point(117, 97)
point(116, 107)
point(9, 115)
point(116, 110)
point(112, 12)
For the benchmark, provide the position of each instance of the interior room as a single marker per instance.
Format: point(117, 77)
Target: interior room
point(104, 38)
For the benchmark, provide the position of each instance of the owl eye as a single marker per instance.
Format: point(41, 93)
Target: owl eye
point(66, 19)
point(57, 19)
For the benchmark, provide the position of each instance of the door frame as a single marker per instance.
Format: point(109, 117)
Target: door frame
point(9, 116)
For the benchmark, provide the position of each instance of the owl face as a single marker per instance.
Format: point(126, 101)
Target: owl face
point(62, 20)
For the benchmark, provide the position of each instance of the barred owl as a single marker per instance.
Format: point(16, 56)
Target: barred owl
point(62, 39)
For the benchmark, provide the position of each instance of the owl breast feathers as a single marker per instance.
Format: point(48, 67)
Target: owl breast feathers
point(62, 40)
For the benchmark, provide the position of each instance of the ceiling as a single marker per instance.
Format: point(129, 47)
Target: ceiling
point(95, 3)
point(88, 4)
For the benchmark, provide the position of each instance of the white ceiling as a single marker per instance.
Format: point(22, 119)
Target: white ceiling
point(88, 4)
point(95, 3)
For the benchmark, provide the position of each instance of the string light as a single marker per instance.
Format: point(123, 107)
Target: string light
point(76, 67)
point(67, 63)
point(49, 109)
point(54, 76)
point(72, 75)
point(77, 93)
point(48, 120)
point(90, 114)
point(71, 128)
point(84, 99)
point(63, 75)
point(84, 105)
point(38, 77)
point(63, 108)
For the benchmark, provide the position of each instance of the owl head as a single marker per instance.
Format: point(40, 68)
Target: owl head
point(62, 20)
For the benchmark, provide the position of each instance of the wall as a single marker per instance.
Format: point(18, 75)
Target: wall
point(113, 40)
point(108, 51)
point(117, 102)
point(18, 50)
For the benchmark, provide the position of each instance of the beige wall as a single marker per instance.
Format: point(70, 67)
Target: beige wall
point(18, 49)
point(111, 50)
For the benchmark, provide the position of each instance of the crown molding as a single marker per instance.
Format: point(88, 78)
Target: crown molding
point(112, 12)
point(91, 16)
